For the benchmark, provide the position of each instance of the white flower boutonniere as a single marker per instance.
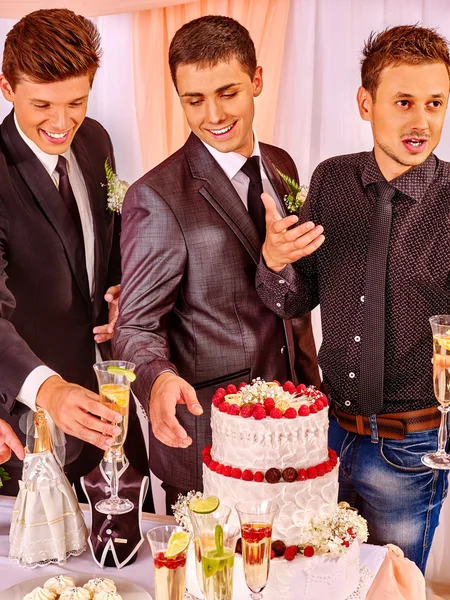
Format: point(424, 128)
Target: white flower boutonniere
point(116, 189)
point(297, 194)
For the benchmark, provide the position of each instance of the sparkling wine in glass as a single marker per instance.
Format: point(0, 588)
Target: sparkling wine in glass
point(440, 326)
point(217, 547)
point(256, 527)
point(169, 573)
point(201, 521)
point(114, 388)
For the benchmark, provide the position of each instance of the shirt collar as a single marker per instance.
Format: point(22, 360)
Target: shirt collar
point(414, 183)
point(232, 162)
point(49, 161)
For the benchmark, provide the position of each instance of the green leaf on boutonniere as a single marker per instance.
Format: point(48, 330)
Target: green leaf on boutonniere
point(3, 476)
point(297, 194)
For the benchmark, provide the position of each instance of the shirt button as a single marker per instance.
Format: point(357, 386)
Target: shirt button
point(281, 281)
point(357, 338)
point(283, 348)
point(109, 531)
point(347, 403)
point(362, 298)
point(278, 305)
point(351, 375)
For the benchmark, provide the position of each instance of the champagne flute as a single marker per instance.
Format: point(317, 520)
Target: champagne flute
point(169, 573)
point(256, 526)
point(200, 522)
point(440, 326)
point(114, 387)
point(218, 545)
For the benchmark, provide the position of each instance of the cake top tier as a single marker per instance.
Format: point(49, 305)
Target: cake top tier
point(262, 399)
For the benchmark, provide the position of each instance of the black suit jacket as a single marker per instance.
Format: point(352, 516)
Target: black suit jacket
point(46, 313)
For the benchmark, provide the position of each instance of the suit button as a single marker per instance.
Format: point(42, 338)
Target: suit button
point(283, 348)
point(3, 398)
point(109, 531)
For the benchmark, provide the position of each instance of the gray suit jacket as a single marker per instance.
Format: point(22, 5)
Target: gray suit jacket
point(188, 302)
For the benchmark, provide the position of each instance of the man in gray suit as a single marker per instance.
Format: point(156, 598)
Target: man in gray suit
point(192, 227)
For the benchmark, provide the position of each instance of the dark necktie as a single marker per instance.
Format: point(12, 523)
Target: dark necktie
point(372, 339)
point(255, 205)
point(66, 192)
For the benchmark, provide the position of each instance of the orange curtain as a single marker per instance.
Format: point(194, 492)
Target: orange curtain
point(161, 123)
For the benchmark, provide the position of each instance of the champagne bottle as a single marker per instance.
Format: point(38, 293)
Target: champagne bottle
point(42, 441)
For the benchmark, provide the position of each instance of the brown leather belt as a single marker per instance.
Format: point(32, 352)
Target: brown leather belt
point(393, 426)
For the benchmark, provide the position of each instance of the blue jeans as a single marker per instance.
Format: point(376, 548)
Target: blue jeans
point(386, 481)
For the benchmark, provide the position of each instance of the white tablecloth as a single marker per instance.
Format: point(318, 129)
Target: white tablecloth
point(140, 572)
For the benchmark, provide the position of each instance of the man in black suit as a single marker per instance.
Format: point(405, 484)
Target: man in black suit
point(59, 249)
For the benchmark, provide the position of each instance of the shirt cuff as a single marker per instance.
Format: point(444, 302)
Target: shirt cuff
point(30, 387)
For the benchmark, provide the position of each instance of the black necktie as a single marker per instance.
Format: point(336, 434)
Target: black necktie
point(372, 339)
point(66, 192)
point(255, 205)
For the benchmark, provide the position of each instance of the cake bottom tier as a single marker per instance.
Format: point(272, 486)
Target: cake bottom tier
point(315, 578)
point(299, 501)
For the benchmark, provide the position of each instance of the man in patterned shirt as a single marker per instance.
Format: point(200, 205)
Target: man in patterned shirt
point(370, 249)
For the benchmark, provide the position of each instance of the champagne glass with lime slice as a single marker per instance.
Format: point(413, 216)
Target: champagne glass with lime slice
point(205, 512)
point(440, 326)
point(169, 546)
point(114, 379)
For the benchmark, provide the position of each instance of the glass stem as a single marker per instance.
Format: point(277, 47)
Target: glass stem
point(443, 429)
point(114, 478)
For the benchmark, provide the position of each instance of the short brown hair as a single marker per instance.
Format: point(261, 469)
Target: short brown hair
point(209, 40)
point(51, 45)
point(403, 44)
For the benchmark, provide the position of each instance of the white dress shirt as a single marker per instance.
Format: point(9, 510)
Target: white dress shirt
point(232, 163)
point(28, 392)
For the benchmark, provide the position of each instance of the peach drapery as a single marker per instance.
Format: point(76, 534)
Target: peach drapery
point(162, 127)
point(16, 9)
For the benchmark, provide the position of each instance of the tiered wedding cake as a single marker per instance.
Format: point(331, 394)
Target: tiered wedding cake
point(270, 443)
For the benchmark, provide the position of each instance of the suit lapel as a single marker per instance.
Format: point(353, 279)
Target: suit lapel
point(93, 186)
point(47, 196)
point(275, 180)
point(220, 193)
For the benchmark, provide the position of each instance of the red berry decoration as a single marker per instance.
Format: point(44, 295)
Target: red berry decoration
point(236, 473)
point(258, 476)
point(290, 474)
point(278, 547)
point(224, 407)
point(217, 400)
point(312, 472)
point(313, 409)
point(246, 411)
point(302, 475)
point(324, 400)
point(207, 460)
point(206, 450)
point(241, 385)
point(227, 471)
point(273, 475)
point(301, 388)
point(234, 409)
point(247, 475)
point(276, 413)
point(290, 552)
point(231, 389)
point(319, 404)
point(269, 403)
point(213, 465)
point(288, 386)
point(290, 413)
point(221, 391)
point(220, 469)
point(303, 411)
point(308, 551)
point(272, 554)
point(259, 412)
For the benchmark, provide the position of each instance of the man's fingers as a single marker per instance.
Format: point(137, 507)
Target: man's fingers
point(99, 410)
point(272, 213)
point(191, 401)
point(10, 439)
point(5, 453)
point(167, 436)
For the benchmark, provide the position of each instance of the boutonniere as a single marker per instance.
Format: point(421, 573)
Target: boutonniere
point(116, 189)
point(297, 194)
point(3, 476)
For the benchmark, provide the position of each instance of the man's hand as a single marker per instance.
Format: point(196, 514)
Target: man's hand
point(9, 442)
point(168, 391)
point(78, 412)
point(284, 246)
point(103, 333)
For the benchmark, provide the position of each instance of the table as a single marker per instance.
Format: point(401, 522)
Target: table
point(139, 572)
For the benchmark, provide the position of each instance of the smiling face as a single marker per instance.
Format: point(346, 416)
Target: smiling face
point(407, 114)
point(49, 114)
point(219, 104)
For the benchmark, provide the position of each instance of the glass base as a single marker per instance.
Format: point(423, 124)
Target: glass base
point(117, 507)
point(436, 460)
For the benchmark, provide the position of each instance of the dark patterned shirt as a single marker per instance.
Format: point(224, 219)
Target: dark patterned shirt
point(342, 199)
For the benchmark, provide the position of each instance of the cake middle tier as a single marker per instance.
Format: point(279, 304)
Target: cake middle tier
point(259, 445)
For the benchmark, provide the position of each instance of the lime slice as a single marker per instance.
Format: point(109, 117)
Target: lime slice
point(218, 538)
point(178, 542)
point(209, 566)
point(204, 506)
point(121, 371)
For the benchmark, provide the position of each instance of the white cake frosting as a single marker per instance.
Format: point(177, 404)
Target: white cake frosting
point(107, 595)
point(75, 593)
point(99, 584)
point(259, 445)
point(40, 593)
point(59, 583)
